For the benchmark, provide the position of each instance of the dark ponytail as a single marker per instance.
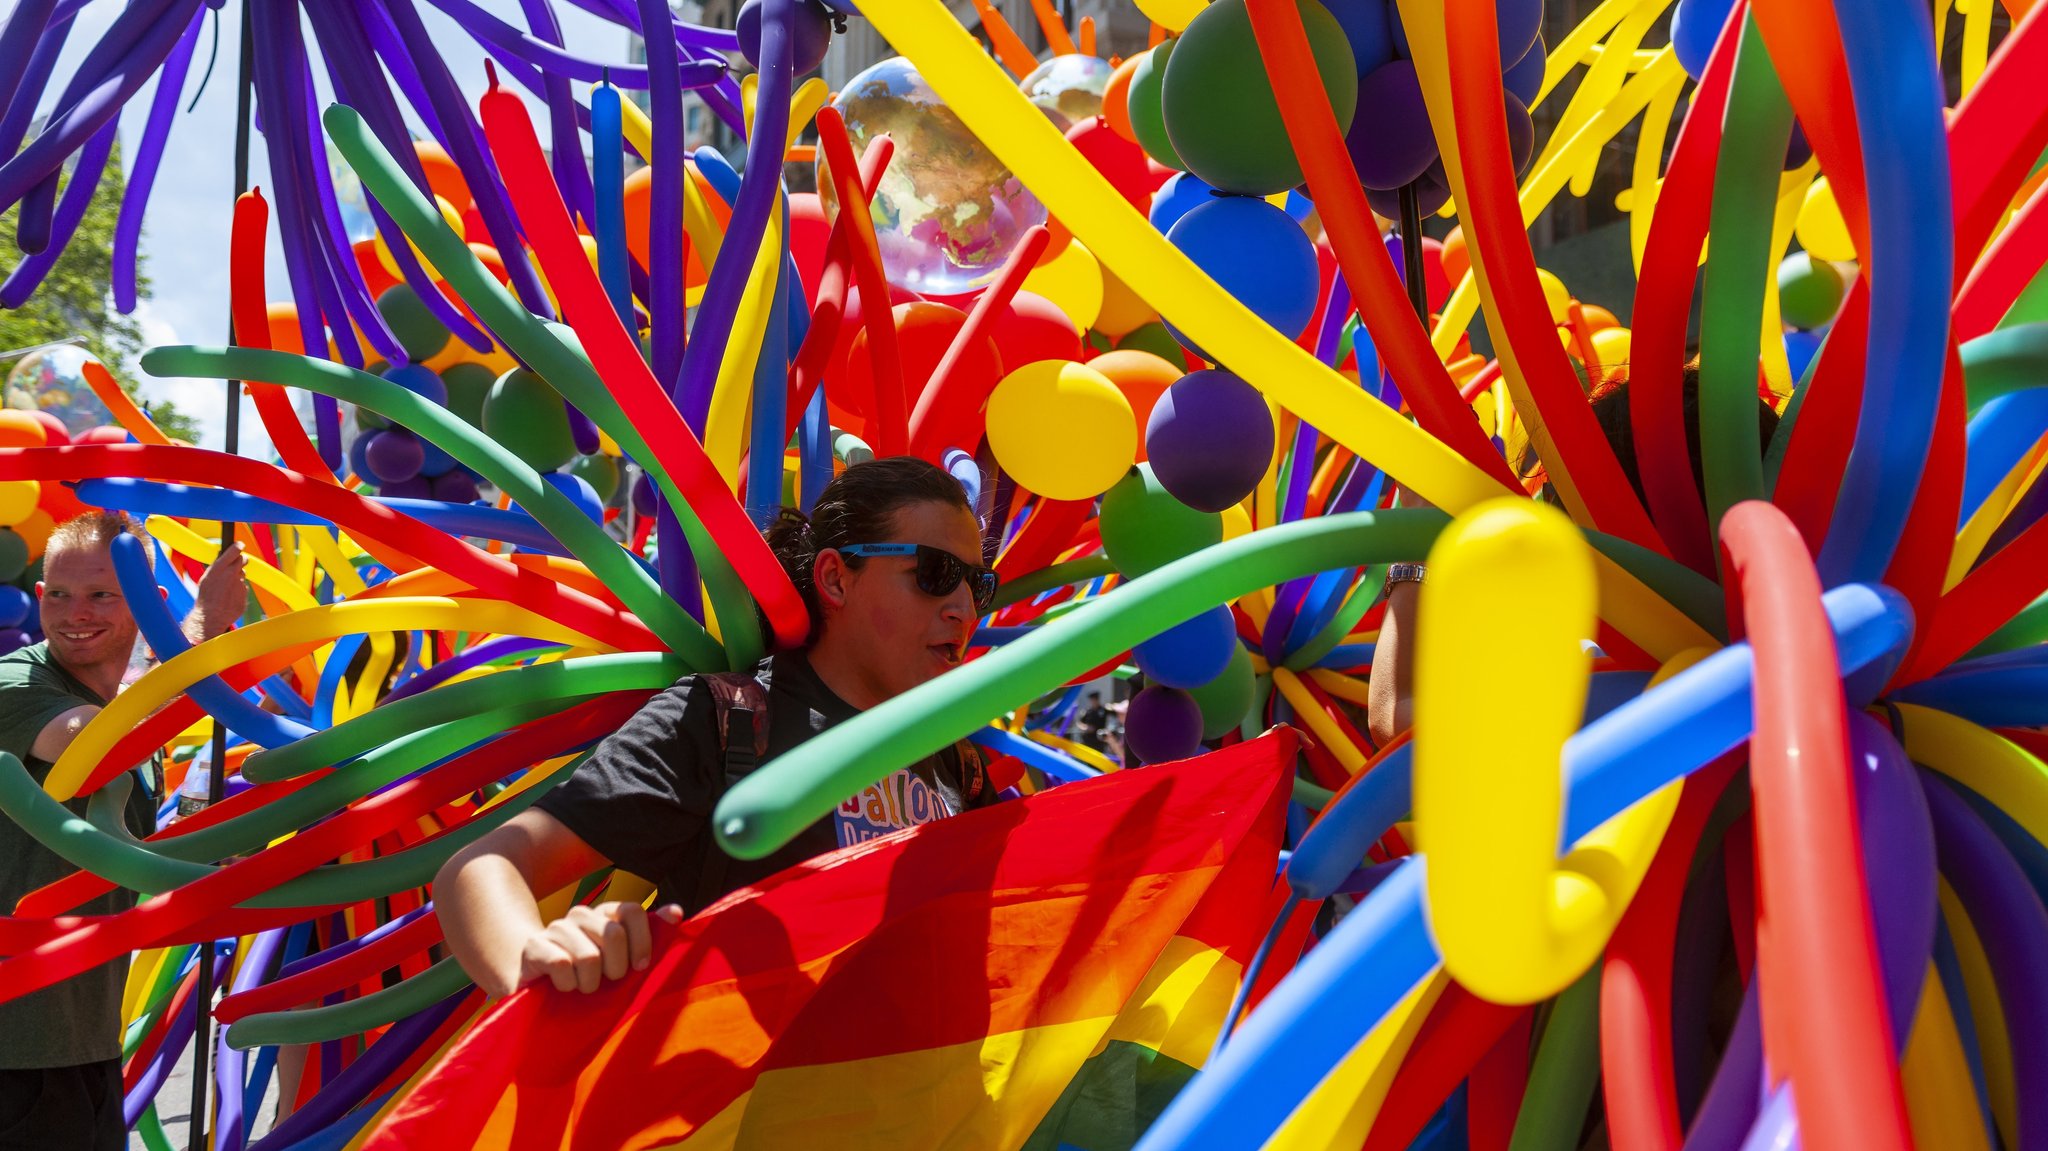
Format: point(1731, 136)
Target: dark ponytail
point(856, 507)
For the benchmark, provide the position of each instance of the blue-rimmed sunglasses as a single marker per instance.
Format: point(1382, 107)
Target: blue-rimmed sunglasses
point(938, 570)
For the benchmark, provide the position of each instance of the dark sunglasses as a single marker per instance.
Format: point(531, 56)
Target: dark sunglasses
point(938, 571)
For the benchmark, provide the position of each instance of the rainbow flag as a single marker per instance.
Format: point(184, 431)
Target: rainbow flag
point(1044, 973)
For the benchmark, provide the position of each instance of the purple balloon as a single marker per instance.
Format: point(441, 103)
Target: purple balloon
point(421, 381)
point(1525, 78)
point(394, 456)
point(1210, 438)
point(646, 497)
point(416, 488)
point(1390, 139)
point(1519, 23)
point(1521, 133)
point(1162, 725)
point(454, 486)
point(13, 639)
point(812, 28)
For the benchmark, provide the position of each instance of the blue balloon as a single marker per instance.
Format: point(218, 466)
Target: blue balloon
point(1525, 78)
point(1801, 346)
point(1181, 194)
point(1189, 654)
point(1366, 25)
point(15, 606)
point(1520, 23)
point(579, 492)
point(435, 462)
point(420, 381)
point(1695, 26)
point(1258, 254)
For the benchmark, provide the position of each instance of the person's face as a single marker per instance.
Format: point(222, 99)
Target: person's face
point(905, 635)
point(84, 615)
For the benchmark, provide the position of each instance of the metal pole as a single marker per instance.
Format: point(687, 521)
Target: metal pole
point(216, 778)
point(1411, 252)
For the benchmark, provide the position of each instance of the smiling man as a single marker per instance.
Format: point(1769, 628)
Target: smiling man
point(60, 1068)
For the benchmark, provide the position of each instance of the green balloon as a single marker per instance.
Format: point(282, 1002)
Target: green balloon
point(523, 413)
point(1218, 103)
point(468, 384)
point(419, 333)
point(1144, 528)
point(1810, 291)
point(13, 555)
point(1226, 699)
point(1154, 338)
point(1147, 123)
point(600, 471)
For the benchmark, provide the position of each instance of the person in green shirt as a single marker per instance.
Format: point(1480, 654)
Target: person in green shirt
point(60, 1048)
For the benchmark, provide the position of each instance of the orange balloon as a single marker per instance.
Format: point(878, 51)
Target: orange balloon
point(639, 202)
point(1597, 318)
point(1457, 261)
point(36, 529)
point(1142, 377)
point(284, 329)
point(1116, 99)
point(21, 430)
point(444, 178)
point(375, 276)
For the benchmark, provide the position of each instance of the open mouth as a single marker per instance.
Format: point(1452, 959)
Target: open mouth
point(80, 636)
point(948, 653)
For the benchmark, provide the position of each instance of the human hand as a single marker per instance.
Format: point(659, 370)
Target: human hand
point(592, 944)
point(223, 592)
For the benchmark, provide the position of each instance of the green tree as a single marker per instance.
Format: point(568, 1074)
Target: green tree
point(76, 299)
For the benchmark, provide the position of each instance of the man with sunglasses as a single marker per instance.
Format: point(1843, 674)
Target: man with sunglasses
point(888, 563)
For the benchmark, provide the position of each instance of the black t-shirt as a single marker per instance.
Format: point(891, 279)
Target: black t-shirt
point(643, 799)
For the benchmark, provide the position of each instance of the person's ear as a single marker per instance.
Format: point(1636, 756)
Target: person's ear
point(830, 575)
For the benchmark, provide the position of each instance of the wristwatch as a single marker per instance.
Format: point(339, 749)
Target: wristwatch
point(1406, 573)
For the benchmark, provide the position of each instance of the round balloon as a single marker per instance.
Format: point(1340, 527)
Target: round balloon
point(1162, 724)
point(1061, 429)
point(1123, 310)
point(1120, 161)
point(1156, 339)
point(1145, 106)
point(1191, 653)
point(1116, 99)
point(1172, 15)
point(1227, 699)
point(1142, 377)
point(52, 380)
point(1068, 88)
point(393, 455)
point(15, 607)
point(18, 499)
point(1144, 528)
point(1179, 195)
point(947, 212)
point(1258, 254)
point(1366, 29)
point(13, 555)
point(1524, 81)
point(1821, 229)
point(419, 332)
point(467, 385)
point(1073, 281)
point(1809, 291)
point(812, 28)
point(1032, 328)
point(1695, 26)
point(1210, 439)
point(1390, 141)
point(526, 415)
point(1219, 106)
point(19, 429)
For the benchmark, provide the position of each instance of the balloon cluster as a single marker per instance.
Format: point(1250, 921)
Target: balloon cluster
point(1144, 311)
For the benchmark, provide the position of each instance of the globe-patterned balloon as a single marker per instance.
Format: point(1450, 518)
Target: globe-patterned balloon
point(1069, 88)
point(53, 380)
point(947, 212)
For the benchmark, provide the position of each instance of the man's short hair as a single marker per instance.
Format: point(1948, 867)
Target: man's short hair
point(91, 530)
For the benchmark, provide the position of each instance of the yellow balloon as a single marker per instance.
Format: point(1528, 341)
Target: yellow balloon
point(1515, 923)
point(1821, 229)
point(1172, 15)
point(1557, 296)
point(1073, 280)
point(390, 263)
point(18, 499)
point(1123, 311)
point(1062, 429)
point(1611, 347)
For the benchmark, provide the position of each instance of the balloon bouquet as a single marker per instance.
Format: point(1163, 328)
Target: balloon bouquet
point(1768, 866)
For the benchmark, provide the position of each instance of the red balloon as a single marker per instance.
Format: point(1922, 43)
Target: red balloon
point(1435, 284)
point(104, 434)
point(837, 386)
point(1456, 260)
point(924, 331)
point(1121, 162)
point(1033, 328)
point(809, 232)
point(55, 435)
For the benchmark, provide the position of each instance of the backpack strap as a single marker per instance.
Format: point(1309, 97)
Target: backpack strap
point(972, 769)
point(741, 701)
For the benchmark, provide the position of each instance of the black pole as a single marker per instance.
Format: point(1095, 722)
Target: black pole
point(216, 776)
point(1411, 252)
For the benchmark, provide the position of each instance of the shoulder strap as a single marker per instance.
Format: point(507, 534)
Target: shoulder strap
point(973, 771)
point(741, 702)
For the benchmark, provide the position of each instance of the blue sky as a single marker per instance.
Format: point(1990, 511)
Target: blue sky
point(185, 236)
